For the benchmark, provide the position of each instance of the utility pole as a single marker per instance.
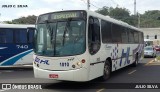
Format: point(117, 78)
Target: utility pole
point(88, 4)
point(134, 7)
point(136, 13)
point(139, 20)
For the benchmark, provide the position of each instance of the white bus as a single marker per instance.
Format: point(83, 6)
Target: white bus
point(81, 45)
point(16, 45)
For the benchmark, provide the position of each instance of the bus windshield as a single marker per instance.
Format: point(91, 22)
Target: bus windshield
point(60, 38)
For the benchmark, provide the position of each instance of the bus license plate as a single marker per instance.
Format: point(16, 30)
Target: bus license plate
point(53, 75)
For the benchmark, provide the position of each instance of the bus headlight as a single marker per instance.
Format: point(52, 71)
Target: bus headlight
point(79, 63)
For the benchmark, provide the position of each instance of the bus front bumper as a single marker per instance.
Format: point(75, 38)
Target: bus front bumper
point(69, 75)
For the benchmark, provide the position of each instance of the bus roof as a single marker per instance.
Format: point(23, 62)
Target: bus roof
point(15, 25)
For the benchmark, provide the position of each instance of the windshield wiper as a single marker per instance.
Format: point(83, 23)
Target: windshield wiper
point(66, 26)
point(50, 30)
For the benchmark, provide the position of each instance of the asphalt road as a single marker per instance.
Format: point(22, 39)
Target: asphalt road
point(146, 72)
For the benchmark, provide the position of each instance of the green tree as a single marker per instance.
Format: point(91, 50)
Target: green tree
point(119, 13)
point(122, 14)
point(150, 19)
point(8, 22)
point(104, 10)
point(25, 20)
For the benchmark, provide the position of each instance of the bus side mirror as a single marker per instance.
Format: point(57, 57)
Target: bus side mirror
point(34, 38)
point(30, 30)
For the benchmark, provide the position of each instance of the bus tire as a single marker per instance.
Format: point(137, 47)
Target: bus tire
point(136, 61)
point(106, 71)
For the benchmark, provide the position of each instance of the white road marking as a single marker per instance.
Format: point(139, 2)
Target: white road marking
point(100, 90)
point(132, 72)
point(1, 90)
point(149, 62)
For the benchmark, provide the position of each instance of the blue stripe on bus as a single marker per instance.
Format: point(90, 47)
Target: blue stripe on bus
point(13, 60)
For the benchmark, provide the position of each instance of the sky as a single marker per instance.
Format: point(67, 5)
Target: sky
point(37, 7)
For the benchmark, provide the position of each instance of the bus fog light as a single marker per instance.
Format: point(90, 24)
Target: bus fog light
point(73, 66)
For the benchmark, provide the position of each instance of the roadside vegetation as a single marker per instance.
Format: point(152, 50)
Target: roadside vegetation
point(158, 58)
point(149, 19)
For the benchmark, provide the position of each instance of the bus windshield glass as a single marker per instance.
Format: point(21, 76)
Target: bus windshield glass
point(61, 37)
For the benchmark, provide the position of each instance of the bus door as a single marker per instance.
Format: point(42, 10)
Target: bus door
point(94, 43)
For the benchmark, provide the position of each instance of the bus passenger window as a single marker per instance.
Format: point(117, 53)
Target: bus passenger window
point(30, 34)
point(116, 33)
point(93, 35)
point(131, 36)
point(106, 31)
point(20, 35)
point(6, 35)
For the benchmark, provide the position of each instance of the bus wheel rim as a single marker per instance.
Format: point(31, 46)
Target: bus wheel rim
point(106, 70)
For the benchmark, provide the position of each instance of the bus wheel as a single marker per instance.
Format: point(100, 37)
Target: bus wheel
point(106, 71)
point(136, 61)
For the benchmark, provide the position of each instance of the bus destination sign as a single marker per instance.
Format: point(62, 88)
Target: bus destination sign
point(65, 15)
point(61, 15)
